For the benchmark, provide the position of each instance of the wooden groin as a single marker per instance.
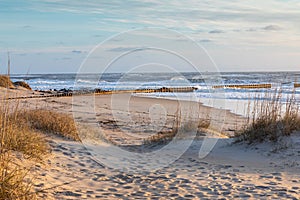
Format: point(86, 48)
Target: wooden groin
point(165, 89)
point(248, 86)
point(50, 94)
point(296, 85)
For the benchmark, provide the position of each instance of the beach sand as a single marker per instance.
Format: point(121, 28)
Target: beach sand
point(229, 171)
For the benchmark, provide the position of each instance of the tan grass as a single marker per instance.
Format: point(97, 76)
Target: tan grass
point(6, 82)
point(14, 180)
point(182, 126)
point(270, 119)
point(22, 84)
point(20, 133)
point(49, 121)
point(16, 138)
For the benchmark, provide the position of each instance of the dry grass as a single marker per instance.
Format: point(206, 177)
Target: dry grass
point(6, 82)
point(49, 121)
point(16, 138)
point(182, 126)
point(270, 119)
point(167, 136)
point(22, 84)
point(21, 139)
point(14, 180)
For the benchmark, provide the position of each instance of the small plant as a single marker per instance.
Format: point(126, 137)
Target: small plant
point(270, 119)
point(182, 127)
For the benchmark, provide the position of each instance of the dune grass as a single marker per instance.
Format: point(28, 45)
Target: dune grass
point(182, 126)
point(17, 138)
point(52, 122)
point(22, 84)
point(14, 179)
point(21, 134)
point(6, 82)
point(270, 119)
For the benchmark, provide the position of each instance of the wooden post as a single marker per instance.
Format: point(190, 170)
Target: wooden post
point(8, 65)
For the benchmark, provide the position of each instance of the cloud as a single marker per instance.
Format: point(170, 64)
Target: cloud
point(77, 51)
point(27, 27)
point(124, 49)
point(272, 28)
point(217, 16)
point(265, 28)
point(248, 24)
point(251, 30)
point(22, 54)
point(65, 58)
point(205, 41)
point(216, 31)
point(97, 36)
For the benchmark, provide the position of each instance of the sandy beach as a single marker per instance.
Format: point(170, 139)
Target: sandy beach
point(229, 171)
point(146, 99)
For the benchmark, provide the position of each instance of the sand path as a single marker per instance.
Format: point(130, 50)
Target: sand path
point(75, 174)
point(228, 172)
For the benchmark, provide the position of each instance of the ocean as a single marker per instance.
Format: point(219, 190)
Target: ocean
point(204, 83)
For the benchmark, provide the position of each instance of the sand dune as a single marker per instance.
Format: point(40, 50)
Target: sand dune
point(230, 171)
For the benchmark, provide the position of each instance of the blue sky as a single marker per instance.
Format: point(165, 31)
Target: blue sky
point(50, 36)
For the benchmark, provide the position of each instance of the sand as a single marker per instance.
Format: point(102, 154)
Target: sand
point(229, 171)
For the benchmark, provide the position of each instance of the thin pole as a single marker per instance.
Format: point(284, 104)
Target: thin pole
point(8, 64)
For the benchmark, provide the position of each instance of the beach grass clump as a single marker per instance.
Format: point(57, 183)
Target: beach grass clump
point(14, 180)
point(160, 138)
point(21, 135)
point(48, 121)
point(15, 135)
point(17, 139)
point(181, 127)
point(270, 119)
point(22, 84)
point(6, 82)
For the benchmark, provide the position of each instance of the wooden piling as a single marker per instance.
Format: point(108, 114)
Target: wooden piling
point(248, 86)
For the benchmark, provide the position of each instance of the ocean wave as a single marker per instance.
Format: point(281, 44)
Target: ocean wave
point(178, 78)
point(283, 81)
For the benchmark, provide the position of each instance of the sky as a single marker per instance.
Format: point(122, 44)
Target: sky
point(56, 36)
